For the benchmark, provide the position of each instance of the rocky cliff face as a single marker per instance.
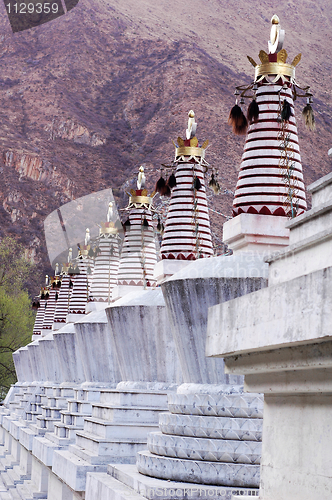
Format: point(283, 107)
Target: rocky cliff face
point(90, 96)
point(72, 131)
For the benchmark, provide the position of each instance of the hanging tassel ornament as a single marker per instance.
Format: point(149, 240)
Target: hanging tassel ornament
point(96, 252)
point(214, 184)
point(286, 111)
point(237, 120)
point(171, 181)
point(165, 191)
point(197, 183)
point(253, 112)
point(308, 116)
point(126, 225)
point(161, 183)
point(160, 227)
point(145, 223)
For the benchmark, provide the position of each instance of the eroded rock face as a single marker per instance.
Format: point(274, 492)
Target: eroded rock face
point(73, 131)
point(36, 168)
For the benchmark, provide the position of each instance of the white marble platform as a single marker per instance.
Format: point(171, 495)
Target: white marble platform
point(200, 472)
point(124, 481)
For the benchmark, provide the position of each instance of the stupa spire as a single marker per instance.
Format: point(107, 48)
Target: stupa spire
point(79, 295)
point(53, 290)
point(187, 234)
point(270, 180)
point(139, 253)
point(40, 304)
point(106, 262)
point(62, 304)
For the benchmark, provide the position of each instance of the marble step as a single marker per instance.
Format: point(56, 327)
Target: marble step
point(27, 435)
point(113, 447)
point(57, 402)
point(88, 456)
point(16, 426)
point(21, 473)
point(75, 406)
point(14, 494)
point(66, 431)
point(64, 392)
point(46, 423)
point(35, 406)
point(10, 479)
point(133, 398)
point(210, 450)
point(247, 429)
point(43, 449)
point(217, 405)
point(8, 462)
point(76, 419)
point(44, 400)
point(105, 487)
point(51, 412)
point(15, 476)
point(31, 416)
point(152, 488)
point(5, 495)
point(120, 430)
point(191, 471)
point(72, 469)
point(90, 395)
point(125, 414)
point(28, 491)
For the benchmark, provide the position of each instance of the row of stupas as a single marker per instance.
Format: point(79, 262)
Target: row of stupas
point(107, 268)
point(153, 339)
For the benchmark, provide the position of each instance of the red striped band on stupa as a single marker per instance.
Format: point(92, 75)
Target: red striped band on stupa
point(187, 232)
point(138, 254)
point(104, 277)
point(261, 188)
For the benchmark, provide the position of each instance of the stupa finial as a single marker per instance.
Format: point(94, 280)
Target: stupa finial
point(192, 125)
point(87, 236)
point(277, 36)
point(141, 178)
point(110, 212)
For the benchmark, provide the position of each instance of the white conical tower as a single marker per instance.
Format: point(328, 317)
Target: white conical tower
point(104, 277)
point(139, 251)
point(54, 287)
point(37, 328)
point(187, 234)
point(88, 256)
point(270, 181)
point(62, 305)
point(80, 291)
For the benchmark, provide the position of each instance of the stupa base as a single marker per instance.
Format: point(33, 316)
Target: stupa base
point(256, 233)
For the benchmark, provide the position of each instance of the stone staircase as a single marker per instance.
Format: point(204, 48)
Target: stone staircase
point(115, 432)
